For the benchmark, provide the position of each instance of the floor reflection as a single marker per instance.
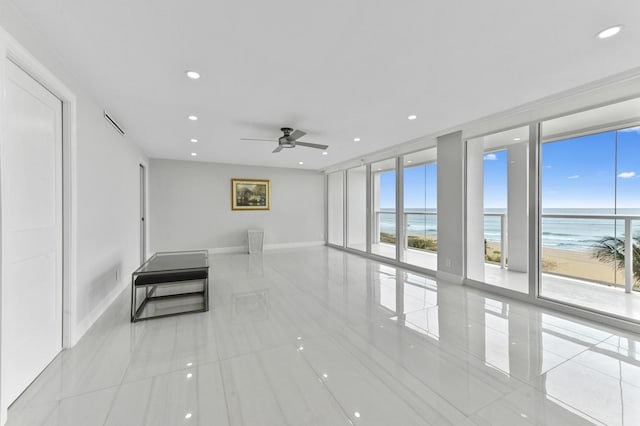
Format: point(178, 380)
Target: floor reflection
point(320, 336)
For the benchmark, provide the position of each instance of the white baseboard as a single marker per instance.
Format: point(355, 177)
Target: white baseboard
point(267, 247)
point(222, 250)
point(452, 278)
point(79, 329)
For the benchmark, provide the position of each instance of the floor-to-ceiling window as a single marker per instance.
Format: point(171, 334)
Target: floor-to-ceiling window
point(497, 209)
point(590, 202)
point(383, 182)
point(420, 209)
point(335, 208)
point(357, 208)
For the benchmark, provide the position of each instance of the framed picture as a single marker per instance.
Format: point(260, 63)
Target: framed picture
point(250, 194)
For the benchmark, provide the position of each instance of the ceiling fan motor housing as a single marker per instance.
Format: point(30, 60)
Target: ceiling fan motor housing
point(284, 140)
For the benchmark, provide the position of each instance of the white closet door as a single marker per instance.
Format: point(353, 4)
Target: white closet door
point(31, 164)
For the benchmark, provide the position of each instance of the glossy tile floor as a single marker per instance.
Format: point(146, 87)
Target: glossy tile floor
point(574, 291)
point(321, 337)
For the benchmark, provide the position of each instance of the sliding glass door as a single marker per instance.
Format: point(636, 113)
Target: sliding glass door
point(420, 192)
point(590, 201)
point(383, 182)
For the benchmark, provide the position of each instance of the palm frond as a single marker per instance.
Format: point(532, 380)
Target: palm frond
point(610, 250)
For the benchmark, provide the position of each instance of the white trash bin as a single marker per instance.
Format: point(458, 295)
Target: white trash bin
point(256, 240)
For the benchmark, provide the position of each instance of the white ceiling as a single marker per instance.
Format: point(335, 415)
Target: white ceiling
point(335, 69)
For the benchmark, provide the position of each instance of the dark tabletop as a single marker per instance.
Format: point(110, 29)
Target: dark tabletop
point(175, 261)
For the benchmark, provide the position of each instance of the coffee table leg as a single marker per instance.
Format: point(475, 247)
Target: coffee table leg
point(206, 293)
point(133, 302)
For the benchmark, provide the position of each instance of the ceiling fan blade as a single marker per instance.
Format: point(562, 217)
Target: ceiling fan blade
point(278, 149)
point(266, 140)
point(297, 134)
point(312, 145)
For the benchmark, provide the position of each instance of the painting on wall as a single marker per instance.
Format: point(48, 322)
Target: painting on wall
point(250, 194)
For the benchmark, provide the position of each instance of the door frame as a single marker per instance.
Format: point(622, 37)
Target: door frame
point(12, 50)
point(143, 213)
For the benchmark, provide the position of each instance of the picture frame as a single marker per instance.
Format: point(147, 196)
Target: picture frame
point(250, 194)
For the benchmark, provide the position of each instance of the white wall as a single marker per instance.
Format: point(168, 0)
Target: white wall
point(335, 208)
point(357, 207)
point(103, 212)
point(451, 207)
point(475, 209)
point(518, 207)
point(191, 207)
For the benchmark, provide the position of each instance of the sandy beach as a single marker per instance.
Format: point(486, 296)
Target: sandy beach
point(562, 262)
point(574, 264)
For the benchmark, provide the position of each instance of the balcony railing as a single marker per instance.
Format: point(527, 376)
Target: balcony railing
point(615, 218)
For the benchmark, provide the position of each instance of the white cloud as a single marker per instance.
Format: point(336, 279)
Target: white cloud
point(573, 177)
point(629, 130)
point(547, 167)
point(490, 157)
point(627, 175)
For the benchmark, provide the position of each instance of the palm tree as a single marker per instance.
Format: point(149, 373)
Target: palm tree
point(611, 250)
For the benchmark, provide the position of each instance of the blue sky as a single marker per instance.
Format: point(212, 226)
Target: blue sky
point(420, 187)
point(584, 172)
point(388, 190)
point(495, 180)
point(595, 171)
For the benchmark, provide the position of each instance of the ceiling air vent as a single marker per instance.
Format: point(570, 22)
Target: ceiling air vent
point(113, 123)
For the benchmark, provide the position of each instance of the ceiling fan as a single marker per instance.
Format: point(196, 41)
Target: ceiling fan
point(289, 139)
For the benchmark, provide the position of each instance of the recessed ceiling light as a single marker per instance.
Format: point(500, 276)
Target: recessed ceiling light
point(610, 32)
point(409, 161)
point(357, 414)
point(325, 375)
point(193, 75)
point(516, 139)
point(193, 117)
point(379, 169)
point(193, 140)
point(194, 154)
point(412, 117)
point(356, 139)
point(325, 153)
point(190, 375)
point(187, 416)
point(301, 162)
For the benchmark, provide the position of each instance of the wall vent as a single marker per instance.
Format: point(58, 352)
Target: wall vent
point(113, 123)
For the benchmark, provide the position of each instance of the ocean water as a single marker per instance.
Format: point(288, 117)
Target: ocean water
point(568, 234)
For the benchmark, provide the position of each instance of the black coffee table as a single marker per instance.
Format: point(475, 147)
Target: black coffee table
point(170, 283)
